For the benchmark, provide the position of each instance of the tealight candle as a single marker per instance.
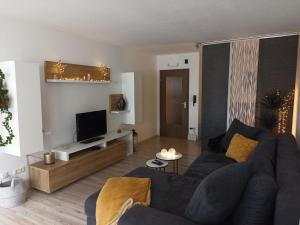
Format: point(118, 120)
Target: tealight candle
point(172, 151)
point(164, 151)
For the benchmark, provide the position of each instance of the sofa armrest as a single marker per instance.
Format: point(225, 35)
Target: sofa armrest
point(215, 144)
point(138, 215)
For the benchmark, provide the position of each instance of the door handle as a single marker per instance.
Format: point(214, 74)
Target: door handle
point(184, 105)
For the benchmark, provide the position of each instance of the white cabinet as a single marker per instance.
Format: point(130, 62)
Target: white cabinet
point(23, 83)
point(132, 92)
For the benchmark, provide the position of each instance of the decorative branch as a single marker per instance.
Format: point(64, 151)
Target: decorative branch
point(4, 104)
point(277, 106)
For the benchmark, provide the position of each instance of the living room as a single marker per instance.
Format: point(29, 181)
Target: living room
point(166, 82)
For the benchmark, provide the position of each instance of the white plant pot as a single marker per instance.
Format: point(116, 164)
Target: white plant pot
point(12, 193)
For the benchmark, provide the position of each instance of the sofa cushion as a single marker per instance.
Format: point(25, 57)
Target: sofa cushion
point(139, 215)
point(241, 128)
point(169, 193)
point(288, 166)
point(217, 195)
point(287, 208)
point(215, 144)
point(240, 147)
point(206, 163)
point(90, 205)
point(119, 194)
point(264, 156)
point(257, 203)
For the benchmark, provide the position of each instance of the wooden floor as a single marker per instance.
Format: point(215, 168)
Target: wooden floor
point(66, 206)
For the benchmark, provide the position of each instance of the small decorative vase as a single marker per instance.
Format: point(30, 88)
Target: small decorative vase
point(49, 158)
point(121, 104)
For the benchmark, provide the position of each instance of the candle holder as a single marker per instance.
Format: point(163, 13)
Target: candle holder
point(49, 158)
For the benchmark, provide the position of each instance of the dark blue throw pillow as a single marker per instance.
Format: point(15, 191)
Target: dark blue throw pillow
point(218, 194)
point(241, 128)
point(257, 204)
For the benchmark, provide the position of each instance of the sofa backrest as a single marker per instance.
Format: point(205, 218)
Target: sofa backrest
point(263, 158)
point(287, 207)
point(256, 206)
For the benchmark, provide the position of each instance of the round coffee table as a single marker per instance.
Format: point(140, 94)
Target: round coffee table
point(173, 159)
point(163, 166)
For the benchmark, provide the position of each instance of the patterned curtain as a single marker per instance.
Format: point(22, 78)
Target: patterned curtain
point(242, 81)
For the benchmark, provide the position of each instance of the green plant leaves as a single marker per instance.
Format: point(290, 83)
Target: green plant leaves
point(4, 104)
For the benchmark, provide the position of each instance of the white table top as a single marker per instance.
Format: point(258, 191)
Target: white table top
point(175, 157)
point(150, 163)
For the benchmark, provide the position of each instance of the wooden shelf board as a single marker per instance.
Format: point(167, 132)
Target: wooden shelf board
point(78, 81)
point(119, 111)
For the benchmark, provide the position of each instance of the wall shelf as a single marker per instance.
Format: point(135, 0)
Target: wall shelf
point(58, 72)
point(79, 81)
point(119, 111)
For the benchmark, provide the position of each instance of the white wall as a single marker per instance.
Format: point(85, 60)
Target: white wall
point(144, 65)
point(60, 102)
point(176, 61)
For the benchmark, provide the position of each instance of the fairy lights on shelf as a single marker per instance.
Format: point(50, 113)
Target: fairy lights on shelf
point(60, 69)
point(283, 112)
point(60, 73)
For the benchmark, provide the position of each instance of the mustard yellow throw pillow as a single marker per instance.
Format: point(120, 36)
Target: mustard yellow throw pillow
point(240, 147)
point(119, 194)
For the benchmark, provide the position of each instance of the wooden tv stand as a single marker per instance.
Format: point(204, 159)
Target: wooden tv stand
point(49, 178)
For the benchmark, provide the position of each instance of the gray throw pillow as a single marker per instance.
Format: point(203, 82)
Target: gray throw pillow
point(257, 204)
point(238, 127)
point(218, 194)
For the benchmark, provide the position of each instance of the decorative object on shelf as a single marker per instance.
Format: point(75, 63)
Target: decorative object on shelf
point(117, 103)
point(60, 69)
point(65, 72)
point(275, 113)
point(121, 104)
point(4, 104)
point(272, 100)
point(135, 137)
point(49, 158)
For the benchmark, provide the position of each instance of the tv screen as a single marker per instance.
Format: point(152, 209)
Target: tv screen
point(90, 124)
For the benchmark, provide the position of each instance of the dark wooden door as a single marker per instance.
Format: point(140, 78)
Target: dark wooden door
point(174, 104)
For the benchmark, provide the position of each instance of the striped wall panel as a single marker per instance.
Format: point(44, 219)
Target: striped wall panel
point(242, 82)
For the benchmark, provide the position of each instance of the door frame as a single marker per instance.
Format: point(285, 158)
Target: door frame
point(161, 99)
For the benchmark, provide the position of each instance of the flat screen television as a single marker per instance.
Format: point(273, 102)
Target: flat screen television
point(91, 125)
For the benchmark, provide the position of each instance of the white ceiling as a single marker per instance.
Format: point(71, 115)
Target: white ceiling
point(158, 22)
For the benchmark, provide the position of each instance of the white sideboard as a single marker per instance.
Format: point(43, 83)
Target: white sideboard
point(64, 152)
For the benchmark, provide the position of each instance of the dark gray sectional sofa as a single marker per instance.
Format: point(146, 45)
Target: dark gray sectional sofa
point(271, 196)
